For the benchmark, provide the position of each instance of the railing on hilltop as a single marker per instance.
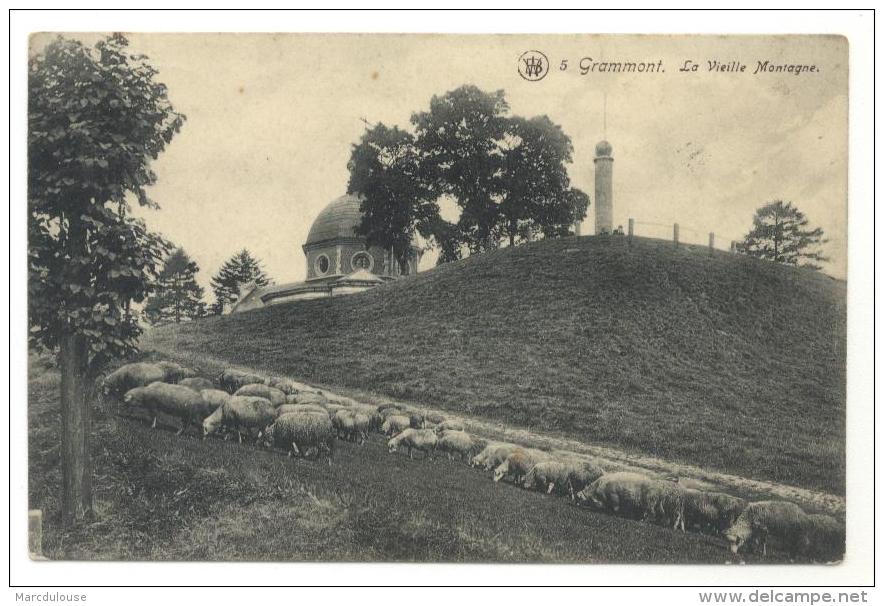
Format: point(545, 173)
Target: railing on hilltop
point(676, 232)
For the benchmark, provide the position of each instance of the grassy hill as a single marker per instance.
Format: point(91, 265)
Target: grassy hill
point(713, 359)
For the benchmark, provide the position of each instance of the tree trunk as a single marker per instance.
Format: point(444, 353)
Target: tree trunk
point(76, 424)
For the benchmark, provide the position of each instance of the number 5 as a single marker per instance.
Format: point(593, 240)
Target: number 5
point(564, 65)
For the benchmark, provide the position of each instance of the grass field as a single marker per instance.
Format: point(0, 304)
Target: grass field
point(717, 360)
point(162, 497)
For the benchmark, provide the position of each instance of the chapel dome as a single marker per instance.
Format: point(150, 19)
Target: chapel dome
point(337, 220)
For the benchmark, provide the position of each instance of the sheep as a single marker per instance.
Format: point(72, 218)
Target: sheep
point(241, 413)
point(518, 464)
point(390, 411)
point(276, 397)
point(492, 455)
point(196, 383)
point(386, 405)
point(763, 519)
point(215, 397)
point(305, 398)
point(231, 380)
point(414, 439)
point(174, 372)
point(582, 475)
point(416, 420)
point(130, 376)
point(446, 425)
point(823, 538)
point(713, 511)
point(351, 425)
point(175, 400)
point(299, 433)
point(458, 443)
point(288, 408)
point(620, 492)
point(395, 424)
point(664, 501)
point(375, 421)
point(331, 409)
point(547, 476)
point(434, 417)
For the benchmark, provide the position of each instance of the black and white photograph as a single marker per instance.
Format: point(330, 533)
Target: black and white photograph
point(438, 298)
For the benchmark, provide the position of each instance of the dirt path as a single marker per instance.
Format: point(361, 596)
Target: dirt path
point(689, 475)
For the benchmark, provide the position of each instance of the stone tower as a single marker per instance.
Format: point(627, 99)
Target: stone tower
point(604, 193)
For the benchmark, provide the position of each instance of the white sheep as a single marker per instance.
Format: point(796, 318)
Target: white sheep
point(183, 403)
point(620, 492)
point(412, 439)
point(519, 463)
point(276, 397)
point(458, 443)
point(492, 455)
point(302, 433)
point(395, 424)
point(196, 383)
point(763, 519)
point(130, 376)
point(449, 424)
point(231, 379)
point(241, 414)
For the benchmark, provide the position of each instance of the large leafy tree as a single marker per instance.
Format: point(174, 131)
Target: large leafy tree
point(536, 194)
point(386, 171)
point(96, 118)
point(459, 138)
point(780, 233)
point(240, 269)
point(177, 296)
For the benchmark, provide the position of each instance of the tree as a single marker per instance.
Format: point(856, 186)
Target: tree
point(240, 269)
point(536, 194)
point(459, 138)
point(178, 296)
point(780, 233)
point(96, 118)
point(386, 171)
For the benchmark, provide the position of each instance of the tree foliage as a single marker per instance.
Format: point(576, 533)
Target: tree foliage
point(507, 174)
point(96, 118)
point(177, 295)
point(240, 269)
point(385, 170)
point(780, 233)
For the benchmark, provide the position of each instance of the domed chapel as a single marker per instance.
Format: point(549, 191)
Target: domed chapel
point(338, 261)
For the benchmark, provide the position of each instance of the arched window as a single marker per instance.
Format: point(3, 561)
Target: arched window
point(321, 265)
point(362, 260)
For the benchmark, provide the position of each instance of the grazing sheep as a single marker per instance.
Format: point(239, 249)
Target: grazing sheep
point(582, 475)
point(276, 397)
point(449, 425)
point(390, 411)
point(395, 424)
point(435, 418)
point(518, 464)
point(304, 397)
point(351, 425)
point(289, 408)
point(664, 501)
point(458, 443)
point(331, 409)
point(375, 420)
point(414, 439)
point(196, 383)
point(231, 380)
point(711, 511)
point(779, 519)
point(620, 492)
point(301, 433)
point(823, 538)
point(241, 414)
point(547, 476)
point(492, 455)
point(181, 402)
point(130, 376)
point(285, 385)
point(417, 420)
point(173, 372)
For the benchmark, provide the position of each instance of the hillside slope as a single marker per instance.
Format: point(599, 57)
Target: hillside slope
point(718, 360)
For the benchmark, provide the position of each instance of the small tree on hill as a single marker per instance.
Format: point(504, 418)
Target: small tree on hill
point(177, 296)
point(240, 269)
point(96, 118)
point(780, 233)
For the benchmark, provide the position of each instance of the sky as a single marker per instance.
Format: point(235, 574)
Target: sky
point(271, 119)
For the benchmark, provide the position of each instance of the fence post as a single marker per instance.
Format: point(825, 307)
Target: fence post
point(711, 241)
point(733, 247)
point(675, 234)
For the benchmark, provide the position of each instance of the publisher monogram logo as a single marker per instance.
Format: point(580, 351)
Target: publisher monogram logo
point(533, 65)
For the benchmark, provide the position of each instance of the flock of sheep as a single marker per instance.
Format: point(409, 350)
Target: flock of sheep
point(303, 421)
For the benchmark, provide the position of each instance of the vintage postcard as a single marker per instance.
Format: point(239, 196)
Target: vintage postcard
point(438, 298)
